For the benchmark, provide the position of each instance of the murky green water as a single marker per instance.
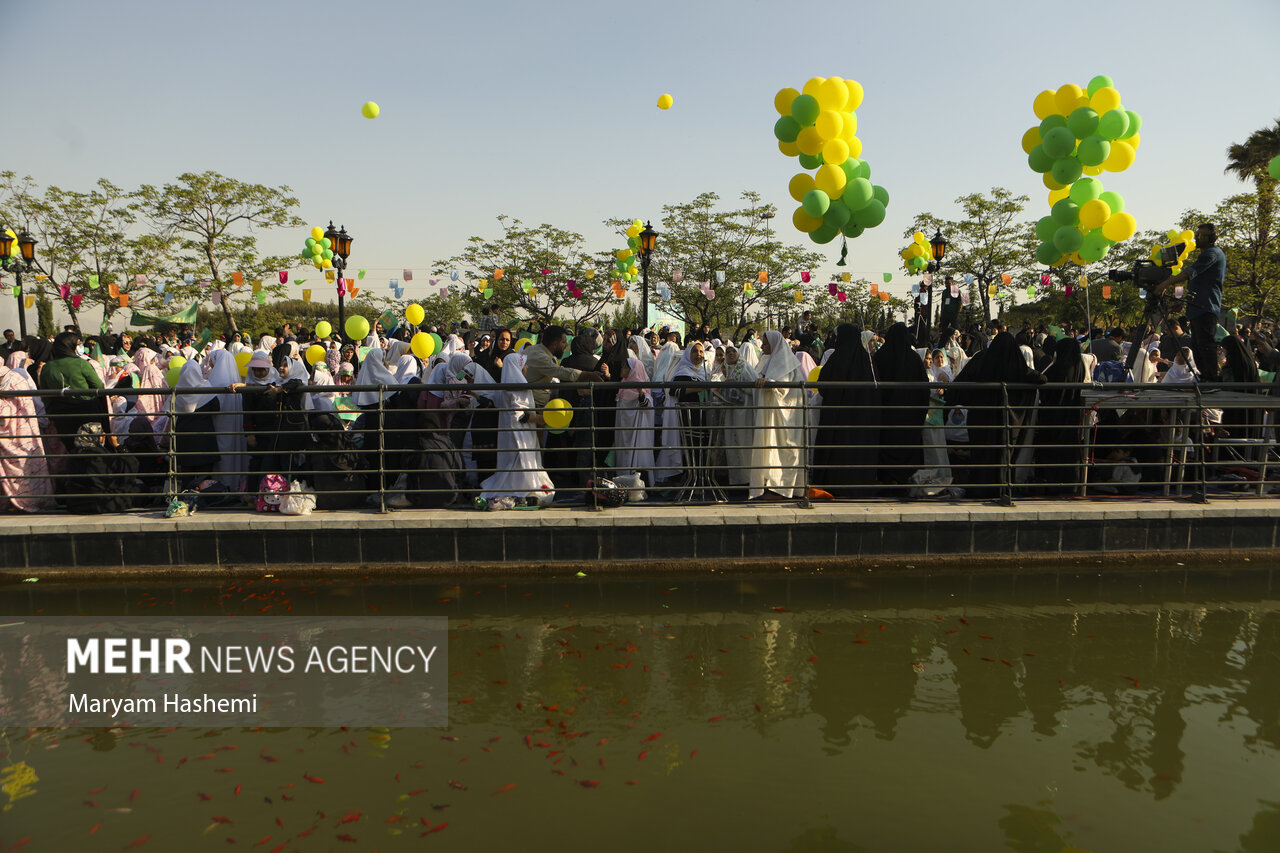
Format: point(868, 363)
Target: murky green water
point(962, 712)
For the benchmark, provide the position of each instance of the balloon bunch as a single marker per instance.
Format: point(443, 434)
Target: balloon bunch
point(916, 256)
point(1186, 238)
point(319, 249)
point(1081, 132)
point(819, 127)
point(625, 259)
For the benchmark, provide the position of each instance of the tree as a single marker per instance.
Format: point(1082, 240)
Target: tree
point(522, 254)
point(989, 241)
point(212, 219)
point(699, 241)
point(1252, 248)
point(1248, 162)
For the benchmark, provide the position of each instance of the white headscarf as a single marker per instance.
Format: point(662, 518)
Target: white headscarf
point(374, 371)
point(398, 353)
point(480, 376)
point(321, 401)
point(749, 354)
point(273, 377)
point(781, 364)
point(665, 367)
point(267, 343)
point(1182, 374)
point(641, 348)
point(688, 368)
point(513, 374)
point(191, 377)
point(635, 373)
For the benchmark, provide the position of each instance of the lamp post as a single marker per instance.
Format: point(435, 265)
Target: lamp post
point(27, 248)
point(938, 244)
point(648, 240)
point(340, 242)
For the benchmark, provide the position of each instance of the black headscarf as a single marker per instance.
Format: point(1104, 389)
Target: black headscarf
point(1240, 366)
point(64, 345)
point(38, 349)
point(849, 421)
point(896, 361)
point(1068, 364)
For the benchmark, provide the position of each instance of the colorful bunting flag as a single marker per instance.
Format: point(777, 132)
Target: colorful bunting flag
point(1006, 278)
point(188, 278)
point(124, 300)
point(407, 275)
point(64, 290)
point(139, 279)
point(284, 276)
point(846, 277)
point(237, 278)
point(360, 275)
point(763, 276)
point(888, 277)
point(76, 299)
point(93, 282)
point(29, 301)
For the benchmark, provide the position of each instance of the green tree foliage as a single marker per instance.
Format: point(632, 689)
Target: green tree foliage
point(522, 253)
point(213, 220)
point(1252, 247)
point(699, 240)
point(1248, 161)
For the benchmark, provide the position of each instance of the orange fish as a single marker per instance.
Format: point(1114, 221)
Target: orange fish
point(137, 842)
point(653, 736)
point(589, 783)
point(311, 778)
point(510, 786)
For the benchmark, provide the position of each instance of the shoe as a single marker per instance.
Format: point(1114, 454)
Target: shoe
point(398, 501)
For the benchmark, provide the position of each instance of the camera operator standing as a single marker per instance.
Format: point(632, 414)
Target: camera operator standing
point(1206, 277)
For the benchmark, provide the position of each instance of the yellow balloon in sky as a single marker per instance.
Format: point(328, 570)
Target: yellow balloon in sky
point(809, 141)
point(830, 179)
point(855, 147)
point(855, 95)
point(665, 101)
point(1056, 196)
point(790, 149)
point(1105, 100)
point(799, 185)
point(1064, 100)
point(1121, 158)
point(811, 85)
point(850, 127)
point(832, 94)
point(1031, 139)
point(835, 151)
point(1044, 105)
point(1093, 214)
point(803, 221)
point(317, 233)
point(782, 100)
point(829, 124)
point(1049, 181)
point(369, 110)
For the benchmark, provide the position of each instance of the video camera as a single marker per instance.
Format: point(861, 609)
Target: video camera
point(1147, 272)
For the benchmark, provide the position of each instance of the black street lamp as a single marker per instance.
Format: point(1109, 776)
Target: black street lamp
point(27, 249)
point(648, 240)
point(340, 245)
point(938, 244)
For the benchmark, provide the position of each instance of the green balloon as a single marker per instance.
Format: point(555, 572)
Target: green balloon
point(810, 161)
point(864, 170)
point(1039, 161)
point(317, 250)
point(1048, 254)
point(328, 254)
point(824, 233)
point(1066, 212)
point(786, 129)
point(436, 338)
point(1067, 238)
point(633, 243)
point(1097, 83)
point(837, 214)
point(1046, 227)
point(850, 168)
point(1067, 170)
point(1273, 168)
point(805, 110)
point(1114, 200)
point(880, 194)
point(852, 229)
point(1094, 247)
point(1050, 123)
point(1094, 150)
point(871, 215)
point(1135, 124)
point(1085, 189)
point(918, 263)
point(1059, 142)
point(311, 241)
point(816, 202)
point(1113, 124)
point(1083, 122)
point(327, 243)
point(857, 193)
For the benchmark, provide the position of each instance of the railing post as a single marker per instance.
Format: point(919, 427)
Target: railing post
point(1202, 496)
point(1006, 452)
point(591, 445)
point(804, 445)
point(171, 455)
point(382, 464)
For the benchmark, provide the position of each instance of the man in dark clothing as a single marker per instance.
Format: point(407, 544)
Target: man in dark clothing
point(1108, 348)
point(10, 345)
point(1206, 276)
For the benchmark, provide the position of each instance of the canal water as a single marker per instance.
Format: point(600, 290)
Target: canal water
point(957, 712)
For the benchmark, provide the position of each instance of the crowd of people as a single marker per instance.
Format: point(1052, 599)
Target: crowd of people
point(786, 414)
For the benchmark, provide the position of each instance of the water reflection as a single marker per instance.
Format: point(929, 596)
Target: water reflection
point(1034, 713)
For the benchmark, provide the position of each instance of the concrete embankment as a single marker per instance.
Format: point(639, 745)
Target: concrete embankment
point(642, 539)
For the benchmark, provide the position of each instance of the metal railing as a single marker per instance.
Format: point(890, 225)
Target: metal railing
point(689, 442)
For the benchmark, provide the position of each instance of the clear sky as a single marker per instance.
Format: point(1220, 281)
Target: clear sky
point(546, 111)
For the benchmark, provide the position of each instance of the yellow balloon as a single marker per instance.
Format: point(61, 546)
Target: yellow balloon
point(1031, 139)
point(1121, 158)
point(325, 263)
point(803, 221)
point(665, 101)
point(1105, 100)
point(789, 149)
point(1056, 196)
point(849, 129)
point(1187, 236)
point(422, 344)
point(782, 100)
point(369, 110)
point(830, 179)
point(638, 225)
point(1119, 226)
point(1049, 181)
point(242, 362)
point(1077, 260)
point(558, 413)
point(317, 233)
point(855, 95)
point(324, 329)
point(799, 185)
point(315, 354)
point(1093, 171)
point(809, 141)
point(917, 237)
point(914, 251)
point(1044, 105)
point(829, 124)
point(1171, 235)
point(177, 361)
point(1133, 141)
point(832, 94)
point(855, 147)
point(813, 374)
point(1093, 214)
point(414, 314)
point(811, 85)
point(835, 151)
point(1064, 100)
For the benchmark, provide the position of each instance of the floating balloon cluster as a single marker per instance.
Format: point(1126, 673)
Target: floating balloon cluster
point(1186, 238)
point(819, 127)
point(1082, 132)
point(625, 259)
point(916, 256)
point(319, 249)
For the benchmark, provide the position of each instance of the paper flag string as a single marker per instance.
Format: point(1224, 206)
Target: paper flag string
point(139, 278)
point(498, 272)
point(124, 300)
point(217, 297)
point(257, 286)
point(432, 282)
point(842, 296)
point(160, 285)
point(545, 272)
point(17, 291)
point(763, 276)
point(407, 275)
point(991, 291)
point(360, 274)
point(924, 297)
point(805, 276)
point(1044, 280)
point(719, 276)
point(888, 277)
point(29, 301)
point(206, 284)
point(41, 277)
point(237, 278)
point(64, 290)
point(968, 279)
point(915, 288)
point(964, 298)
point(1006, 278)
point(453, 276)
point(355, 291)
point(299, 281)
point(93, 282)
point(444, 293)
point(845, 277)
point(188, 278)
point(76, 299)
point(330, 276)
point(1031, 291)
point(284, 276)
point(875, 288)
point(262, 298)
point(1083, 280)
point(677, 276)
point(590, 274)
point(1106, 291)
point(113, 290)
point(832, 288)
point(1067, 291)
point(168, 297)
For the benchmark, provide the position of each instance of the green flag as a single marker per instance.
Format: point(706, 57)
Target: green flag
point(141, 318)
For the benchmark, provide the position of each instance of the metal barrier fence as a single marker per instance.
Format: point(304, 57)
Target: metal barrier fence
point(690, 443)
